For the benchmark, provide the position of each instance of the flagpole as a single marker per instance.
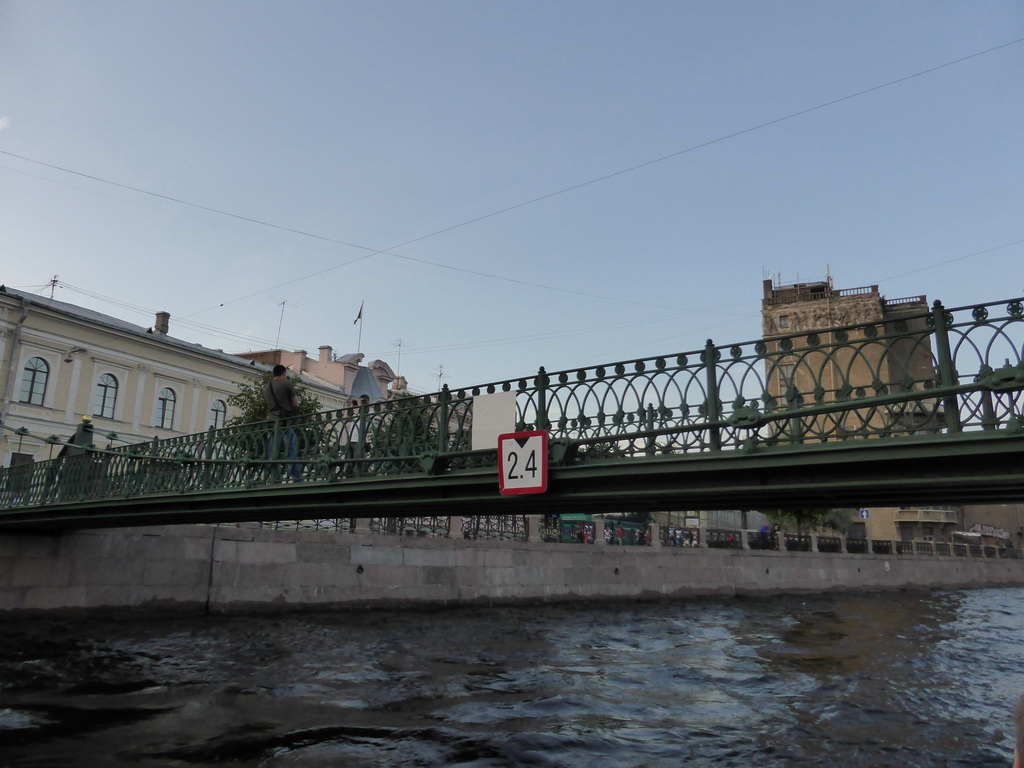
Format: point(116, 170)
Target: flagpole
point(359, 319)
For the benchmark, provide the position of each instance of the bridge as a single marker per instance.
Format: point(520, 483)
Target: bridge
point(923, 409)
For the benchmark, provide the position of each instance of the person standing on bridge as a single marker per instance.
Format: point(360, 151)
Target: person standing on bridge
point(282, 404)
point(352, 438)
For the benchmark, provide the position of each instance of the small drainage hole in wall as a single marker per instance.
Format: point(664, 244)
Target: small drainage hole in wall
point(359, 569)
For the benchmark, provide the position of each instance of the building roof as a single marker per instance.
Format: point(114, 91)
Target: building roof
point(366, 384)
point(152, 336)
point(122, 326)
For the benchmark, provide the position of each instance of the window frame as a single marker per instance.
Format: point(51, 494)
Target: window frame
point(219, 416)
point(99, 404)
point(787, 375)
point(31, 388)
point(163, 417)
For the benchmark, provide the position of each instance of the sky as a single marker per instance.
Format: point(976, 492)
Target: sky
point(504, 185)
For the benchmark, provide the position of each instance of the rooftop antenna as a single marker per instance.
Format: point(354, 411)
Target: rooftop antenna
point(53, 284)
point(440, 375)
point(398, 371)
point(277, 342)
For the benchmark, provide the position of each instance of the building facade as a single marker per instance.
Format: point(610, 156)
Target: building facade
point(60, 362)
point(375, 380)
point(817, 307)
point(849, 372)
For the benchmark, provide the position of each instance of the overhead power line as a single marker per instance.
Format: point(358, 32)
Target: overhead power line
point(517, 206)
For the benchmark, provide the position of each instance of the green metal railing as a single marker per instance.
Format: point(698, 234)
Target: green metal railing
point(947, 371)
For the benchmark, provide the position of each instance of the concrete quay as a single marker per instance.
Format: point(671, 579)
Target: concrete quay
point(198, 570)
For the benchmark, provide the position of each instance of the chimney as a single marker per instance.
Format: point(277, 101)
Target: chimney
point(325, 354)
point(163, 322)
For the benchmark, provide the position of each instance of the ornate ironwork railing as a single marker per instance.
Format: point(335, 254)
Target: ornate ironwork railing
point(944, 371)
point(513, 528)
point(829, 544)
point(798, 542)
point(722, 539)
point(673, 536)
point(762, 540)
point(411, 526)
point(332, 525)
point(510, 527)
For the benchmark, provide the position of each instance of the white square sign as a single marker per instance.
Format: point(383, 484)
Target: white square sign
point(523, 462)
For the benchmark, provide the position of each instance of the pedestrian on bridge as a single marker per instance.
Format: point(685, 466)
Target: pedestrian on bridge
point(282, 405)
point(352, 438)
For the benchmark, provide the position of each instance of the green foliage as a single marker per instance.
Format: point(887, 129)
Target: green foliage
point(407, 427)
point(251, 405)
point(835, 519)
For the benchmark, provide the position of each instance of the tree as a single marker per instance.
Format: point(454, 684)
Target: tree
point(836, 519)
point(251, 406)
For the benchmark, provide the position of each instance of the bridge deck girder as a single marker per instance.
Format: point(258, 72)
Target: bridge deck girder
point(977, 467)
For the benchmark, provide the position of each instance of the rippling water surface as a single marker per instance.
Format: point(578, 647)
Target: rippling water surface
point(838, 680)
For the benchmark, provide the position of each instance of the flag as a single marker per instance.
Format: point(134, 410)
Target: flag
point(360, 315)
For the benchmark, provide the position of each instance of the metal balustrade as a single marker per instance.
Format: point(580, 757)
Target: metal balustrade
point(718, 538)
point(515, 528)
point(762, 540)
point(857, 546)
point(798, 542)
point(492, 527)
point(830, 544)
point(673, 536)
point(947, 372)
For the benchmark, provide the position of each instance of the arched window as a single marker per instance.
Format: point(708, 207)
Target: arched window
point(218, 414)
point(106, 397)
point(33, 384)
point(165, 409)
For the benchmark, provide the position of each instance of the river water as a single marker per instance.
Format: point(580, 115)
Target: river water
point(901, 679)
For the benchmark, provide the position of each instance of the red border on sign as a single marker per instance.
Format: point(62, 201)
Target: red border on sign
point(542, 461)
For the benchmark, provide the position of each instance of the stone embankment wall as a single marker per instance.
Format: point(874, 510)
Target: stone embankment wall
point(202, 569)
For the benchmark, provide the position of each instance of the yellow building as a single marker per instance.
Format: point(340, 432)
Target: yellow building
point(858, 370)
point(847, 372)
point(60, 362)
